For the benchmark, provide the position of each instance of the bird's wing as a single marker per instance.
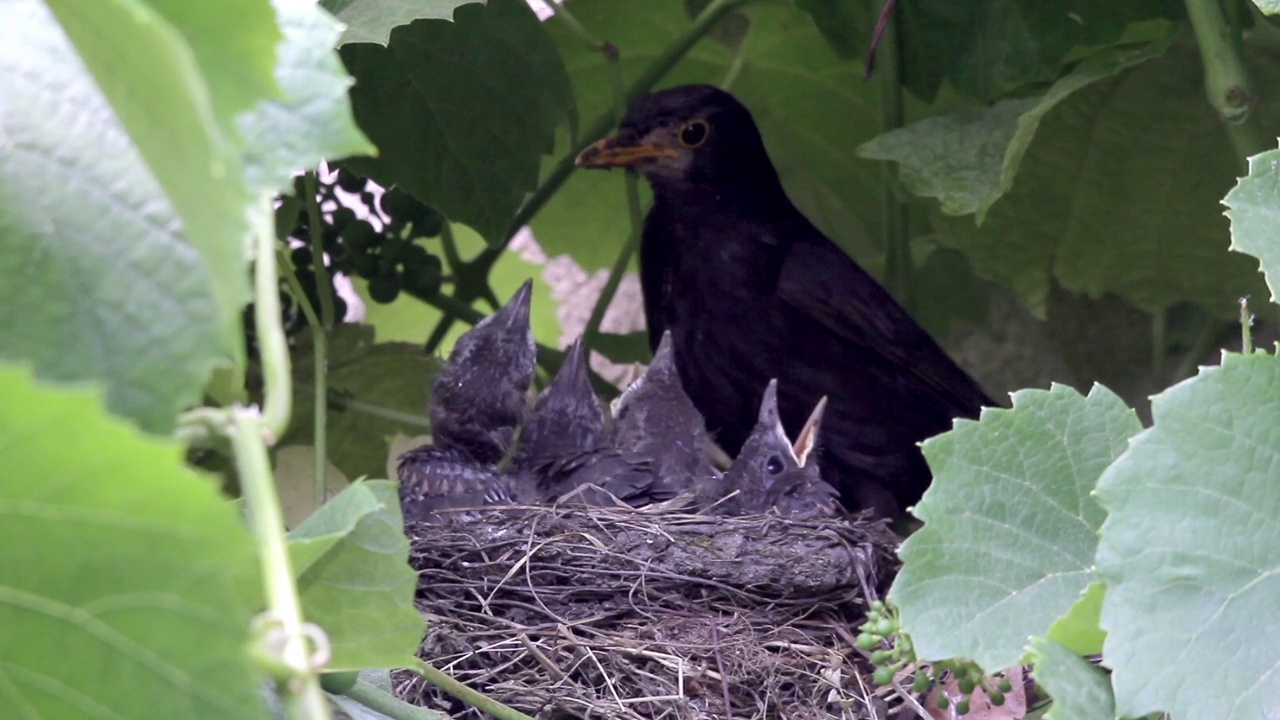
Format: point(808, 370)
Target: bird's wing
point(820, 281)
point(434, 479)
point(655, 263)
point(628, 479)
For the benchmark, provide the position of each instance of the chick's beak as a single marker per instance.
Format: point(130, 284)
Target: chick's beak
point(615, 152)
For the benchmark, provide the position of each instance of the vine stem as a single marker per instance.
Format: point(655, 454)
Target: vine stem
point(634, 214)
point(481, 702)
point(378, 700)
point(1246, 327)
point(385, 413)
point(320, 331)
point(250, 432)
point(277, 390)
point(1226, 82)
point(1159, 342)
point(301, 694)
point(897, 247)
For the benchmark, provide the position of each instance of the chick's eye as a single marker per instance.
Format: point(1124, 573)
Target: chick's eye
point(694, 134)
point(773, 465)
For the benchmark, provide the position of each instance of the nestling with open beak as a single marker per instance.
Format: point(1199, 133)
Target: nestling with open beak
point(772, 474)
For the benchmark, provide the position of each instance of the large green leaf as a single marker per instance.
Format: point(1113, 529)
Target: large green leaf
point(233, 43)
point(313, 120)
point(1188, 551)
point(1255, 215)
point(96, 280)
point(968, 159)
point(352, 562)
point(1080, 690)
point(1010, 523)
point(462, 111)
point(393, 376)
point(813, 111)
point(1119, 193)
point(202, 63)
point(371, 21)
point(116, 594)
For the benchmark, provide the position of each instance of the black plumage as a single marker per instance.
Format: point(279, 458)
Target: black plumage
point(751, 290)
point(478, 400)
point(655, 418)
point(564, 446)
point(773, 475)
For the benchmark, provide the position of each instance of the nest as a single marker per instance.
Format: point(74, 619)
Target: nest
point(587, 612)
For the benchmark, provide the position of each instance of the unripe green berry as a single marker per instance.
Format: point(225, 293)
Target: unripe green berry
point(883, 675)
point(867, 641)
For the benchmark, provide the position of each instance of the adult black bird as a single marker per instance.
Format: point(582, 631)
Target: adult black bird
point(773, 475)
point(751, 290)
point(564, 446)
point(655, 418)
point(477, 402)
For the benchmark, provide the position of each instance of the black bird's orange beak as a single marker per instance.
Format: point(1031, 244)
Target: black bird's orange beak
point(611, 152)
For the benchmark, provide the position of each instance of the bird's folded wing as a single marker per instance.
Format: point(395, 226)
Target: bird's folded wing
point(821, 282)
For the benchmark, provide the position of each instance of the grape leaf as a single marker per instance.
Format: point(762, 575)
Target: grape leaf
point(371, 21)
point(292, 466)
point(968, 159)
point(351, 559)
point(1080, 690)
point(313, 120)
point(990, 49)
point(1079, 630)
point(812, 109)
point(392, 376)
point(1254, 214)
point(462, 111)
point(117, 598)
point(97, 281)
point(202, 64)
point(1010, 524)
point(1118, 194)
point(1188, 551)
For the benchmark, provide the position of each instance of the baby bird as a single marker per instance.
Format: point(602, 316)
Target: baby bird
point(656, 419)
point(564, 446)
point(477, 402)
point(773, 475)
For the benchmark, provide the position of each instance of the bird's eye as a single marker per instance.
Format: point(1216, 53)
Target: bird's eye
point(694, 133)
point(773, 465)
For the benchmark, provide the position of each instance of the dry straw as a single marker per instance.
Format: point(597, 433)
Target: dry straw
point(578, 612)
